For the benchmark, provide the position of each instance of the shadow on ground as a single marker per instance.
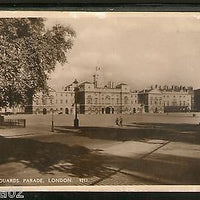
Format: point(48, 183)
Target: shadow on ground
point(78, 161)
point(140, 132)
point(160, 168)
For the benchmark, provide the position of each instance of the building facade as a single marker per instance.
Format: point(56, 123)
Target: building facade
point(166, 99)
point(98, 97)
point(60, 102)
point(94, 97)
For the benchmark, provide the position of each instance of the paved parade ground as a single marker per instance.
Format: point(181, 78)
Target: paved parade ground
point(147, 149)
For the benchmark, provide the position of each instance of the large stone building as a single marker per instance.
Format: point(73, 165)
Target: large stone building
point(98, 97)
point(60, 102)
point(94, 97)
point(166, 99)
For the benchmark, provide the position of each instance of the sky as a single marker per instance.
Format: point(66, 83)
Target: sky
point(140, 49)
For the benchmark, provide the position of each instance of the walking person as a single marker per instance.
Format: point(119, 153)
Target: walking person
point(117, 121)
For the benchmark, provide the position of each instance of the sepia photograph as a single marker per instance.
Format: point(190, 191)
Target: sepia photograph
point(99, 99)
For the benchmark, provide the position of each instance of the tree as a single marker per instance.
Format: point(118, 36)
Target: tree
point(29, 53)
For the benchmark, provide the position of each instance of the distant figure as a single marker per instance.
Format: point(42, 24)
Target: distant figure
point(120, 121)
point(117, 121)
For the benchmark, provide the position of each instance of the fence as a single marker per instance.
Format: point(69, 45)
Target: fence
point(13, 122)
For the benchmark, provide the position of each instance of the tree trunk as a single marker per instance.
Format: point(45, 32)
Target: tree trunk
point(29, 104)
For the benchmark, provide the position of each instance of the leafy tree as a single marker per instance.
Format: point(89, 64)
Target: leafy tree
point(29, 52)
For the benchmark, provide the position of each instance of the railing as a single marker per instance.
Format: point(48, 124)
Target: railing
point(13, 122)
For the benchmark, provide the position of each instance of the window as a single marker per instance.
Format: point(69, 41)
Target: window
point(44, 101)
point(174, 103)
point(61, 101)
point(125, 100)
point(117, 100)
point(61, 94)
point(96, 100)
point(89, 99)
point(66, 101)
point(107, 99)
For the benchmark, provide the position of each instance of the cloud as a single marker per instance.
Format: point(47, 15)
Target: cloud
point(136, 49)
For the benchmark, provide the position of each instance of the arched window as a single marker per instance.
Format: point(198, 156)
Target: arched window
point(44, 111)
point(66, 111)
point(37, 111)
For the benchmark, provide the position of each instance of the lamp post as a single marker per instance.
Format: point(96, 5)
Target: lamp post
point(76, 89)
point(52, 121)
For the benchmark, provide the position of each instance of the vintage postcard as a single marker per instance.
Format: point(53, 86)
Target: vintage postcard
point(100, 101)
